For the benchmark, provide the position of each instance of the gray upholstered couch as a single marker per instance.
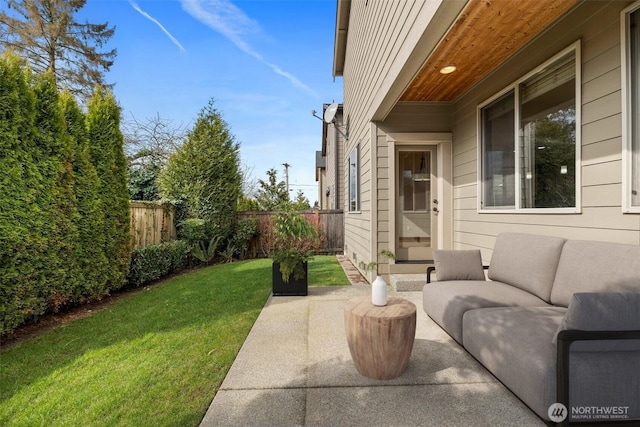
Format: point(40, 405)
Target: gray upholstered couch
point(542, 294)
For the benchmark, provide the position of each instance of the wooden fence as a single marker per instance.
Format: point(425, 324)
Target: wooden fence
point(331, 223)
point(151, 223)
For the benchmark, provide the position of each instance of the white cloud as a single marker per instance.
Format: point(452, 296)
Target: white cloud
point(258, 106)
point(231, 22)
point(155, 21)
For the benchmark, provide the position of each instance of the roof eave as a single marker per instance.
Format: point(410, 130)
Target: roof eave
point(343, 10)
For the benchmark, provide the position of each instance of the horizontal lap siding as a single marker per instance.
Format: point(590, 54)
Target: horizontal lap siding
point(598, 26)
point(385, 204)
point(378, 30)
point(419, 117)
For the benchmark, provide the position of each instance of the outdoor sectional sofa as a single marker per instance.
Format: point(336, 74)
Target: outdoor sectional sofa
point(527, 324)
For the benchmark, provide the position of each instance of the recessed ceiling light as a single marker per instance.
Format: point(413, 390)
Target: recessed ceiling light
point(448, 69)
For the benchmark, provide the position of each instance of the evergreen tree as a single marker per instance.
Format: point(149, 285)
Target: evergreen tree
point(55, 201)
point(142, 182)
point(20, 217)
point(204, 173)
point(272, 195)
point(301, 203)
point(47, 35)
point(89, 252)
point(107, 155)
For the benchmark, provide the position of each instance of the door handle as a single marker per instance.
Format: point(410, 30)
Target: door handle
point(435, 210)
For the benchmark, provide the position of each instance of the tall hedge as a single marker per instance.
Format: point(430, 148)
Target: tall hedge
point(64, 215)
point(19, 179)
point(107, 154)
point(89, 248)
point(55, 199)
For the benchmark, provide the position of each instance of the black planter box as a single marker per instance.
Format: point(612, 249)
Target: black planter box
point(293, 287)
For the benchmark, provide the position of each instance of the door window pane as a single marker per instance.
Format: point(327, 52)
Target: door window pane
point(415, 179)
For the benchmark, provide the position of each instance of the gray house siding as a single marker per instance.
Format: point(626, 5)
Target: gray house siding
point(387, 43)
point(380, 33)
point(597, 25)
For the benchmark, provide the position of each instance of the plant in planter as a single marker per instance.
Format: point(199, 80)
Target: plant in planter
point(294, 242)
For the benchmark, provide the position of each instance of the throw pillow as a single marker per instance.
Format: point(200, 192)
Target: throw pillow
point(458, 265)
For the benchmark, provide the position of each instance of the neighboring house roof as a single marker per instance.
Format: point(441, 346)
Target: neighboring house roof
point(475, 37)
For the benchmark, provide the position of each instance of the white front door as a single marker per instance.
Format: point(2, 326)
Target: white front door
point(416, 202)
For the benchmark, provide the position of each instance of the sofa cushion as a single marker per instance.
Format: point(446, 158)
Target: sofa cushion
point(609, 311)
point(526, 261)
point(514, 343)
point(458, 265)
point(446, 302)
point(587, 266)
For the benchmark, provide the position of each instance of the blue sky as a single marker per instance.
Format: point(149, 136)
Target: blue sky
point(266, 63)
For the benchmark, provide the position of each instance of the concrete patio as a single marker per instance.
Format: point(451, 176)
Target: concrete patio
point(295, 369)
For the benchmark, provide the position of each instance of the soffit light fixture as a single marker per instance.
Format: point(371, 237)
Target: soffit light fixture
point(448, 69)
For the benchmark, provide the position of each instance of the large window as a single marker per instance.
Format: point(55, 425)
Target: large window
point(354, 180)
point(529, 144)
point(631, 90)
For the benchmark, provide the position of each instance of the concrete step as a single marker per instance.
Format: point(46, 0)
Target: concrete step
point(408, 282)
point(409, 268)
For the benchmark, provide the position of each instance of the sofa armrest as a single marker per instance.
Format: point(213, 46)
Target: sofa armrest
point(431, 269)
point(565, 339)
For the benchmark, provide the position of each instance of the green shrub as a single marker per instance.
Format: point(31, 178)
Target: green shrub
point(193, 230)
point(245, 231)
point(205, 253)
point(156, 261)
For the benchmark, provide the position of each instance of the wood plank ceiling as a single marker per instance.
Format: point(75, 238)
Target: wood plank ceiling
point(485, 34)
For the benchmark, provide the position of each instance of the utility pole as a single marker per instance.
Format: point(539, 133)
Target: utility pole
point(286, 175)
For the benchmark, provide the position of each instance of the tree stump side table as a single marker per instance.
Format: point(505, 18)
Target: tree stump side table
point(380, 338)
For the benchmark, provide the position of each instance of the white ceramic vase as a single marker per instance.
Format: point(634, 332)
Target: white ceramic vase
point(379, 292)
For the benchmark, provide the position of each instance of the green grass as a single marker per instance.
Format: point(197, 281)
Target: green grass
point(154, 358)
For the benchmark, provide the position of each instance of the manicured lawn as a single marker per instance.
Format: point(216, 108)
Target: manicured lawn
point(155, 358)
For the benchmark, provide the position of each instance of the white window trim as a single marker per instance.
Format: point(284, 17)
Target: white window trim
point(513, 86)
point(627, 110)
